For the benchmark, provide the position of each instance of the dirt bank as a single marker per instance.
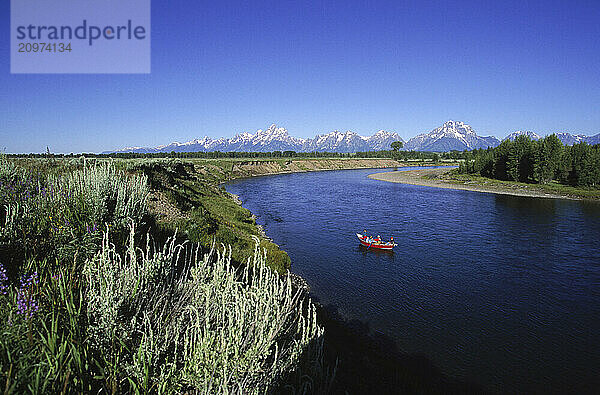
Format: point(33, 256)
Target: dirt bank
point(252, 168)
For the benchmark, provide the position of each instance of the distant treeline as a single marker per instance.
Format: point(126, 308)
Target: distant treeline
point(400, 155)
point(539, 162)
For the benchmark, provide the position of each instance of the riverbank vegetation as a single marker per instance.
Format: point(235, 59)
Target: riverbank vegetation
point(188, 196)
point(92, 299)
point(545, 162)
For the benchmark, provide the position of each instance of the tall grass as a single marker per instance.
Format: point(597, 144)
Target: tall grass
point(54, 217)
point(84, 307)
point(190, 321)
point(45, 350)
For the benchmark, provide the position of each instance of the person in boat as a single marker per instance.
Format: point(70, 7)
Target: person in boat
point(378, 239)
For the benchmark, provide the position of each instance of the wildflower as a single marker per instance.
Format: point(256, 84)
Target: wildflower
point(26, 303)
point(3, 280)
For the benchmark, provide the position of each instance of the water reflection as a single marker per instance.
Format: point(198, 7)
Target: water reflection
point(385, 254)
point(527, 205)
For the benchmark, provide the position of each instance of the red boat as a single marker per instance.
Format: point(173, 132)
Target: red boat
point(371, 242)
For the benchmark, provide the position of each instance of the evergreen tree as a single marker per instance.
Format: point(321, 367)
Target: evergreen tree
point(548, 152)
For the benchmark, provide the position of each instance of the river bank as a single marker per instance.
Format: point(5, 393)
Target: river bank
point(191, 197)
point(445, 178)
point(188, 194)
point(254, 168)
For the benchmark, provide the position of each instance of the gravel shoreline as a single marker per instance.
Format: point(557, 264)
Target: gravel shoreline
point(421, 177)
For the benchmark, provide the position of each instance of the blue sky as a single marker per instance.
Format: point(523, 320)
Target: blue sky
point(220, 68)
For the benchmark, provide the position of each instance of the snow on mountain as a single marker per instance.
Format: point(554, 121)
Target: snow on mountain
point(276, 138)
point(136, 150)
point(335, 141)
point(593, 140)
point(514, 135)
point(570, 139)
point(383, 140)
point(564, 137)
point(204, 144)
point(452, 135)
point(272, 139)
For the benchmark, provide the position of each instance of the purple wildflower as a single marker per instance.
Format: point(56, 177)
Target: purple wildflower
point(91, 229)
point(3, 280)
point(26, 303)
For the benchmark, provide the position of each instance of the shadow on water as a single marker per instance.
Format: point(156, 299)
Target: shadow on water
point(370, 362)
point(590, 209)
point(530, 206)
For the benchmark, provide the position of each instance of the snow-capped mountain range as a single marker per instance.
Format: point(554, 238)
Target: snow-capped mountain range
point(278, 139)
point(565, 138)
point(452, 135)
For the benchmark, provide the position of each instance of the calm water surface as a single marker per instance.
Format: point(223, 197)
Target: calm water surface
point(501, 290)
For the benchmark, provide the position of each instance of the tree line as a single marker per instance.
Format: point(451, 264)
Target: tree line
point(538, 162)
point(394, 154)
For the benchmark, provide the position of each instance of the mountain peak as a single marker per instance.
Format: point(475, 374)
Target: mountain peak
point(452, 135)
point(451, 123)
point(273, 129)
point(528, 133)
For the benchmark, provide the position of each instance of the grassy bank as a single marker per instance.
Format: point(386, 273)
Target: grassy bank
point(552, 188)
point(452, 179)
point(93, 300)
point(187, 196)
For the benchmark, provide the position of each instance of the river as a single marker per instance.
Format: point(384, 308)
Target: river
point(500, 290)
